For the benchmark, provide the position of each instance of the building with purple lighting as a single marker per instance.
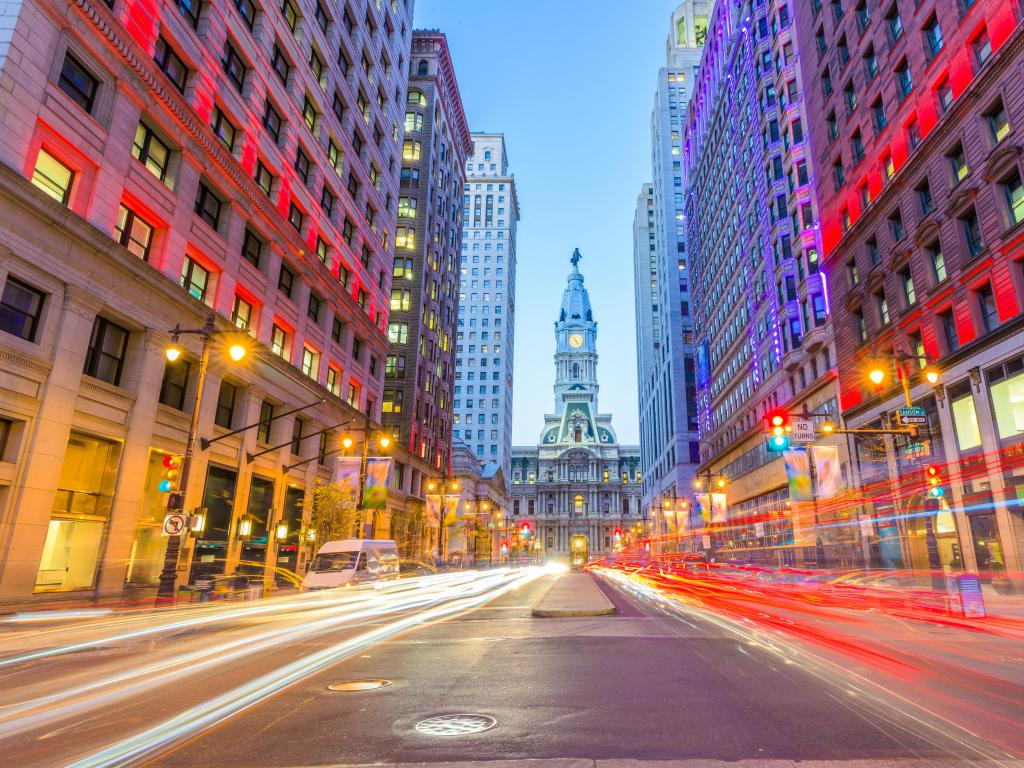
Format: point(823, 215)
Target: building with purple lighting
point(760, 311)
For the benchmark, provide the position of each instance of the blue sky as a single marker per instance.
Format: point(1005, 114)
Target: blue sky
point(570, 84)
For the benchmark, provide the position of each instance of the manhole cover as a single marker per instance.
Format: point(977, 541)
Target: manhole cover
point(358, 685)
point(455, 725)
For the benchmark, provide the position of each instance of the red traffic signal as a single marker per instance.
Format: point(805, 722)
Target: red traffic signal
point(524, 530)
point(777, 422)
point(934, 481)
point(171, 471)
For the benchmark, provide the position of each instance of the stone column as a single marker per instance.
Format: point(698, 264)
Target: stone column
point(963, 528)
point(46, 441)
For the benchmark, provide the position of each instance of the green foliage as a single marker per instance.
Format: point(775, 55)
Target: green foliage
point(333, 516)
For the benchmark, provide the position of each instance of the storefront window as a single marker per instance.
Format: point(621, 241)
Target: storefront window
point(1008, 405)
point(147, 556)
point(218, 499)
point(258, 511)
point(80, 512)
point(965, 419)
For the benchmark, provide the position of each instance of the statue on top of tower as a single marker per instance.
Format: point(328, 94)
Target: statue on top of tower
point(576, 256)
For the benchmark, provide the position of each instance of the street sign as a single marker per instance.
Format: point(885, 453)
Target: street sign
point(917, 450)
point(174, 525)
point(803, 431)
point(912, 415)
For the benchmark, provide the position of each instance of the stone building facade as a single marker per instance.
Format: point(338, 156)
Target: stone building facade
point(578, 480)
point(157, 167)
point(917, 111)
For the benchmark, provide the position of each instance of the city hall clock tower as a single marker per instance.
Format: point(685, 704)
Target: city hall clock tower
point(575, 346)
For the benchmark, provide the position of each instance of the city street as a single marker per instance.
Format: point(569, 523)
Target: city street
point(658, 680)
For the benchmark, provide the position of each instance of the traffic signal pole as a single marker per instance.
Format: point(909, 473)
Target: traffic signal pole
point(176, 500)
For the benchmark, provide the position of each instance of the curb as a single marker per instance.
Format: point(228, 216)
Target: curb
point(554, 613)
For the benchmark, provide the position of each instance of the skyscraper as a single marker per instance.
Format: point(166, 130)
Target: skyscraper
point(485, 342)
point(645, 283)
point(420, 367)
point(668, 410)
point(577, 488)
point(759, 295)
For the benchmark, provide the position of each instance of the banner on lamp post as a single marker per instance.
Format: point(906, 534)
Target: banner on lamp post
point(798, 473)
point(826, 470)
point(375, 491)
point(718, 508)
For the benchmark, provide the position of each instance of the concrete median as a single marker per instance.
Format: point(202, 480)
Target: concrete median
point(574, 594)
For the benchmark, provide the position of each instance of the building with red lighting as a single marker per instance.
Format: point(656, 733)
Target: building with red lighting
point(917, 112)
point(420, 367)
point(163, 163)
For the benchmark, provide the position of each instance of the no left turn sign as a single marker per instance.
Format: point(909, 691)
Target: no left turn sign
point(174, 525)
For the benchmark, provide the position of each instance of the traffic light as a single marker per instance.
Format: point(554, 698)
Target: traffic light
point(524, 531)
point(778, 426)
point(935, 489)
point(171, 472)
point(617, 534)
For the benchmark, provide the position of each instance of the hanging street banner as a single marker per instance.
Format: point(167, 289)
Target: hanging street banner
point(703, 506)
point(826, 470)
point(375, 492)
point(718, 509)
point(798, 472)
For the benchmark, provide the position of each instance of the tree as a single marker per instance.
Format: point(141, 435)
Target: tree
point(333, 516)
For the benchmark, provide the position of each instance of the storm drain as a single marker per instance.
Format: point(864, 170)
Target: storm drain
point(455, 725)
point(358, 685)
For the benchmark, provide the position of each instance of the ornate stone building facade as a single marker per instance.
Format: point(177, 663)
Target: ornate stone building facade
point(578, 480)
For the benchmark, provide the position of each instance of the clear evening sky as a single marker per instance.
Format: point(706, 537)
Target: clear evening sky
point(571, 85)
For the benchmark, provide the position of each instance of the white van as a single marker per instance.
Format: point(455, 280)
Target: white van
point(352, 561)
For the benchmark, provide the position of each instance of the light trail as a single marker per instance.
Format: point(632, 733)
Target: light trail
point(864, 656)
point(198, 718)
point(20, 717)
point(121, 630)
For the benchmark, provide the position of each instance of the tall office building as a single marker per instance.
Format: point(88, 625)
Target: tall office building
point(668, 411)
point(485, 343)
point(162, 165)
point(645, 282)
point(420, 368)
point(759, 295)
point(917, 111)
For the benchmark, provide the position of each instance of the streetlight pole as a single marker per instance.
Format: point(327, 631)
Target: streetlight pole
point(176, 500)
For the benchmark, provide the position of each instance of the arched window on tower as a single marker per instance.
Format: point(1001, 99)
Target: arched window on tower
point(577, 435)
point(576, 373)
point(423, 68)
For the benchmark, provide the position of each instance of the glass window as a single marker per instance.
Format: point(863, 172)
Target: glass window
point(104, 359)
point(170, 64)
point(53, 177)
point(286, 281)
point(133, 232)
point(987, 308)
point(252, 248)
point(175, 383)
point(225, 413)
point(1013, 190)
point(20, 308)
point(272, 120)
point(264, 178)
point(241, 313)
point(938, 262)
point(279, 341)
point(972, 233)
point(78, 83)
point(965, 419)
point(234, 67)
point(1008, 405)
point(266, 420)
point(195, 278)
point(208, 206)
point(149, 150)
point(81, 507)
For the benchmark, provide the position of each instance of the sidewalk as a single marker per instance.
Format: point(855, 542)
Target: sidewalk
point(574, 594)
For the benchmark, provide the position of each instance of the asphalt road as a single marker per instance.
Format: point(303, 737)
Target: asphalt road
point(640, 685)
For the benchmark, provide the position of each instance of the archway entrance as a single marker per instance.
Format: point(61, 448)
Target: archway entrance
point(579, 551)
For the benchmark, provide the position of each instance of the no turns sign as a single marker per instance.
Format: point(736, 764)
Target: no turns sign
point(174, 525)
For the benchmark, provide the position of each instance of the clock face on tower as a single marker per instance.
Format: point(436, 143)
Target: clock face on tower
point(576, 340)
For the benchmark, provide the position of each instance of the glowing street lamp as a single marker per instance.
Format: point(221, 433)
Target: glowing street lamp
point(208, 332)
